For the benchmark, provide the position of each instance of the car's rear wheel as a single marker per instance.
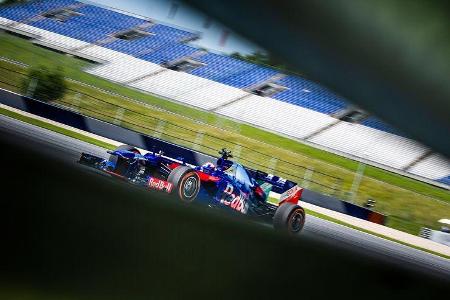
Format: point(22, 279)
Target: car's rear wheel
point(186, 183)
point(114, 159)
point(289, 218)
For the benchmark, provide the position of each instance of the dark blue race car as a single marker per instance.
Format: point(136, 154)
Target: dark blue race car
point(225, 184)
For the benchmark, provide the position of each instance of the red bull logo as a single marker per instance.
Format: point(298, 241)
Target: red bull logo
point(236, 202)
point(160, 185)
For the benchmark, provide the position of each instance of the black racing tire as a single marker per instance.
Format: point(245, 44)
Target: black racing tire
point(289, 218)
point(113, 158)
point(186, 183)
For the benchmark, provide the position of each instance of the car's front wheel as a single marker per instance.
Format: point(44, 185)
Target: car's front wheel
point(289, 218)
point(186, 183)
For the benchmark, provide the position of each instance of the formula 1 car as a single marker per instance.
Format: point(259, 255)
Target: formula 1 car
point(226, 184)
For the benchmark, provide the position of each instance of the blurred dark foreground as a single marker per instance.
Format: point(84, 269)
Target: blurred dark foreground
point(71, 234)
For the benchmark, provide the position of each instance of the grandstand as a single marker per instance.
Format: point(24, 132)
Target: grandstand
point(157, 58)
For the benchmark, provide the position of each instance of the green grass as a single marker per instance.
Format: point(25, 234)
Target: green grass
point(414, 202)
point(57, 129)
point(403, 225)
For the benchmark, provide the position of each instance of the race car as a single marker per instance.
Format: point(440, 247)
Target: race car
point(225, 184)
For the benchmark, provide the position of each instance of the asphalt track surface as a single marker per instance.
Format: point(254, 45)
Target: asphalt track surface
point(68, 149)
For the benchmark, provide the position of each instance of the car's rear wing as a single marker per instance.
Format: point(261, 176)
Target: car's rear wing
point(292, 195)
point(279, 184)
point(277, 187)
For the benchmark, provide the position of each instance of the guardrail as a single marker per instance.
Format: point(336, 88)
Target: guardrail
point(128, 136)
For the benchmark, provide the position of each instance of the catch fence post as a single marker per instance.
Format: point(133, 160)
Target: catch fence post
point(76, 102)
point(337, 187)
point(237, 152)
point(357, 181)
point(118, 117)
point(307, 177)
point(32, 87)
point(198, 141)
point(159, 129)
point(272, 165)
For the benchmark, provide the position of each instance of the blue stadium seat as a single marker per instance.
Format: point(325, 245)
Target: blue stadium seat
point(96, 23)
point(310, 95)
point(171, 32)
point(373, 122)
point(232, 71)
point(21, 12)
point(74, 28)
point(161, 37)
point(105, 18)
point(444, 180)
point(168, 53)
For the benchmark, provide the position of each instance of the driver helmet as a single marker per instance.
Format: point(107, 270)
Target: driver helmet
point(208, 165)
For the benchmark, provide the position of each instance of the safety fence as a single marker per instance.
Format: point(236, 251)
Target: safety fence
point(208, 140)
point(127, 136)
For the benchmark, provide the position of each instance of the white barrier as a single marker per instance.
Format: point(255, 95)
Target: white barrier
point(371, 144)
point(277, 116)
point(189, 89)
point(125, 69)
